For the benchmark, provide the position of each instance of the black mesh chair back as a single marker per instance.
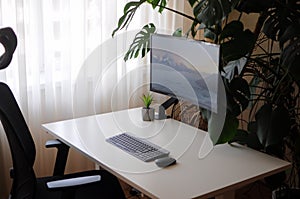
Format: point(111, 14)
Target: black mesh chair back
point(21, 145)
point(18, 135)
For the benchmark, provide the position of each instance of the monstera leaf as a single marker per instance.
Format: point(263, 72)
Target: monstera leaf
point(238, 94)
point(192, 2)
point(280, 17)
point(247, 138)
point(129, 11)
point(254, 6)
point(158, 3)
point(235, 41)
point(140, 42)
point(272, 125)
point(229, 129)
point(211, 12)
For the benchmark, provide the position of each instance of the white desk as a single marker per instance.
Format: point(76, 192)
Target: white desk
point(225, 169)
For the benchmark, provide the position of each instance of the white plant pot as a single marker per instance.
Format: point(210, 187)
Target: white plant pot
point(148, 114)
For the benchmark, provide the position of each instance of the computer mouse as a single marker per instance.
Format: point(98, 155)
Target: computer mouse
point(165, 161)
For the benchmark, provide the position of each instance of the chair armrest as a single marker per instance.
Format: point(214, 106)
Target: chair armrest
point(53, 143)
point(71, 182)
point(61, 156)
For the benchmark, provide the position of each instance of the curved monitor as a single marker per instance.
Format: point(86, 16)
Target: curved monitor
point(185, 69)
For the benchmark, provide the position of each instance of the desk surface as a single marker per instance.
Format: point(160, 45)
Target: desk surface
point(225, 168)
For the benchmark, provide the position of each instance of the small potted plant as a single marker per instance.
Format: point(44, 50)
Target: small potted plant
point(147, 111)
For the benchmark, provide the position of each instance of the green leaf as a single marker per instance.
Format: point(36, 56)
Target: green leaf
point(241, 137)
point(160, 3)
point(193, 27)
point(254, 6)
point(263, 119)
point(147, 100)
point(234, 68)
point(130, 4)
point(271, 28)
point(254, 142)
point(192, 2)
point(209, 34)
point(280, 18)
point(140, 42)
point(177, 32)
point(129, 11)
point(198, 9)
point(212, 12)
point(229, 129)
point(232, 30)
point(239, 42)
point(238, 94)
point(272, 125)
point(247, 138)
point(255, 81)
point(292, 32)
point(280, 126)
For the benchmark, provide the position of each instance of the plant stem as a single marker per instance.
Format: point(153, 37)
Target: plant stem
point(181, 13)
point(257, 30)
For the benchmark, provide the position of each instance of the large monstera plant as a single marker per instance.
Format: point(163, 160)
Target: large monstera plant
point(260, 68)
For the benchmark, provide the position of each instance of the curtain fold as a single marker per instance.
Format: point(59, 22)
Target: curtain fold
point(51, 74)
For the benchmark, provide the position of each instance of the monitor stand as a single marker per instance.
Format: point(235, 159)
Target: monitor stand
point(163, 107)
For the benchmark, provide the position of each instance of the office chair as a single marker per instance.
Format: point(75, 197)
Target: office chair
point(88, 184)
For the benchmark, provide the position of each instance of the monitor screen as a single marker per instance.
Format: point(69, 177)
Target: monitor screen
point(185, 69)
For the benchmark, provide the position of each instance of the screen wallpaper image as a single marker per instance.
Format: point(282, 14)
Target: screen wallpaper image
point(172, 74)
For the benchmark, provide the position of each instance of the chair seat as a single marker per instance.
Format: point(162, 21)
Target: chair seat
point(107, 187)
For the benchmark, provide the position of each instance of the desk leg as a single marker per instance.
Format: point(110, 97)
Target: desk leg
point(227, 195)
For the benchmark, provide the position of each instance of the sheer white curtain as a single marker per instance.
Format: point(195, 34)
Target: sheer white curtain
point(55, 39)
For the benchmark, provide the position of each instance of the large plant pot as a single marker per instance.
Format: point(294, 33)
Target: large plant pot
point(148, 114)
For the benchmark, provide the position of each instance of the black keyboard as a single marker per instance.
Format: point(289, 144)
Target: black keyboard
point(138, 147)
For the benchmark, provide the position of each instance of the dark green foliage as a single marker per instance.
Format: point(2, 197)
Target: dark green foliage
point(282, 15)
point(266, 84)
point(254, 6)
point(272, 125)
point(211, 12)
point(192, 2)
point(158, 3)
point(177, 33)
point(235, 41)
point(229, 130)
point(238, 94)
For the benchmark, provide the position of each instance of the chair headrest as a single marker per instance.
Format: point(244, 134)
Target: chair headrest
point(9, 41)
